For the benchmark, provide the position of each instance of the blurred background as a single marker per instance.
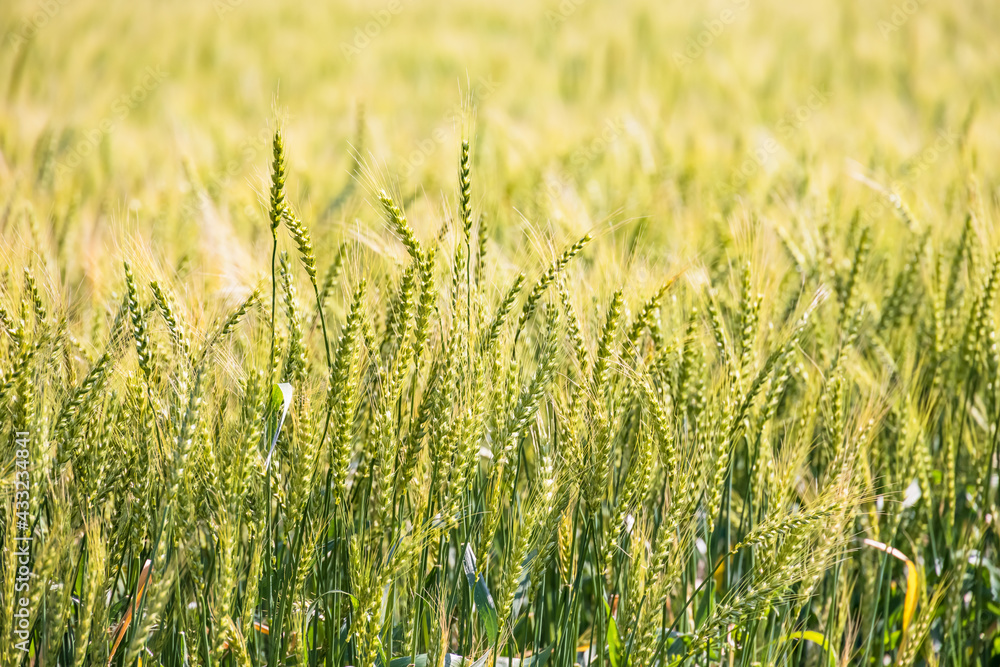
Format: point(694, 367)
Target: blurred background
point(652, 117)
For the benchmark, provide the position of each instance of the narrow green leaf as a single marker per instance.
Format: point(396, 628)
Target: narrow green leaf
point(450, 660)
point(614, 642)
point(281, 399)
point(815, 638)
point(481, 595)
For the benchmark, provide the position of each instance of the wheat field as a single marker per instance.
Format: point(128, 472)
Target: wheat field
point(565, 333)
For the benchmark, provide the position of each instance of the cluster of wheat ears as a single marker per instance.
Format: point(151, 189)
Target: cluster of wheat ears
point(427, 467)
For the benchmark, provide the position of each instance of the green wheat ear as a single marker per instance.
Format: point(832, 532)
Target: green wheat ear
point(280, 211)
point(483, 237)
point(175, 327)
point(296, 361)
point(41, 314)
point(425, 306)
point(302, 239)
point(278, 206)
point(573, 327)
point(138, 318)
point(492, 334)
point(646, 318)
point(237, 315)
point(228, 325)
point(547, 279)
point(341, 393)
point(465, 187)
point(397, 219)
